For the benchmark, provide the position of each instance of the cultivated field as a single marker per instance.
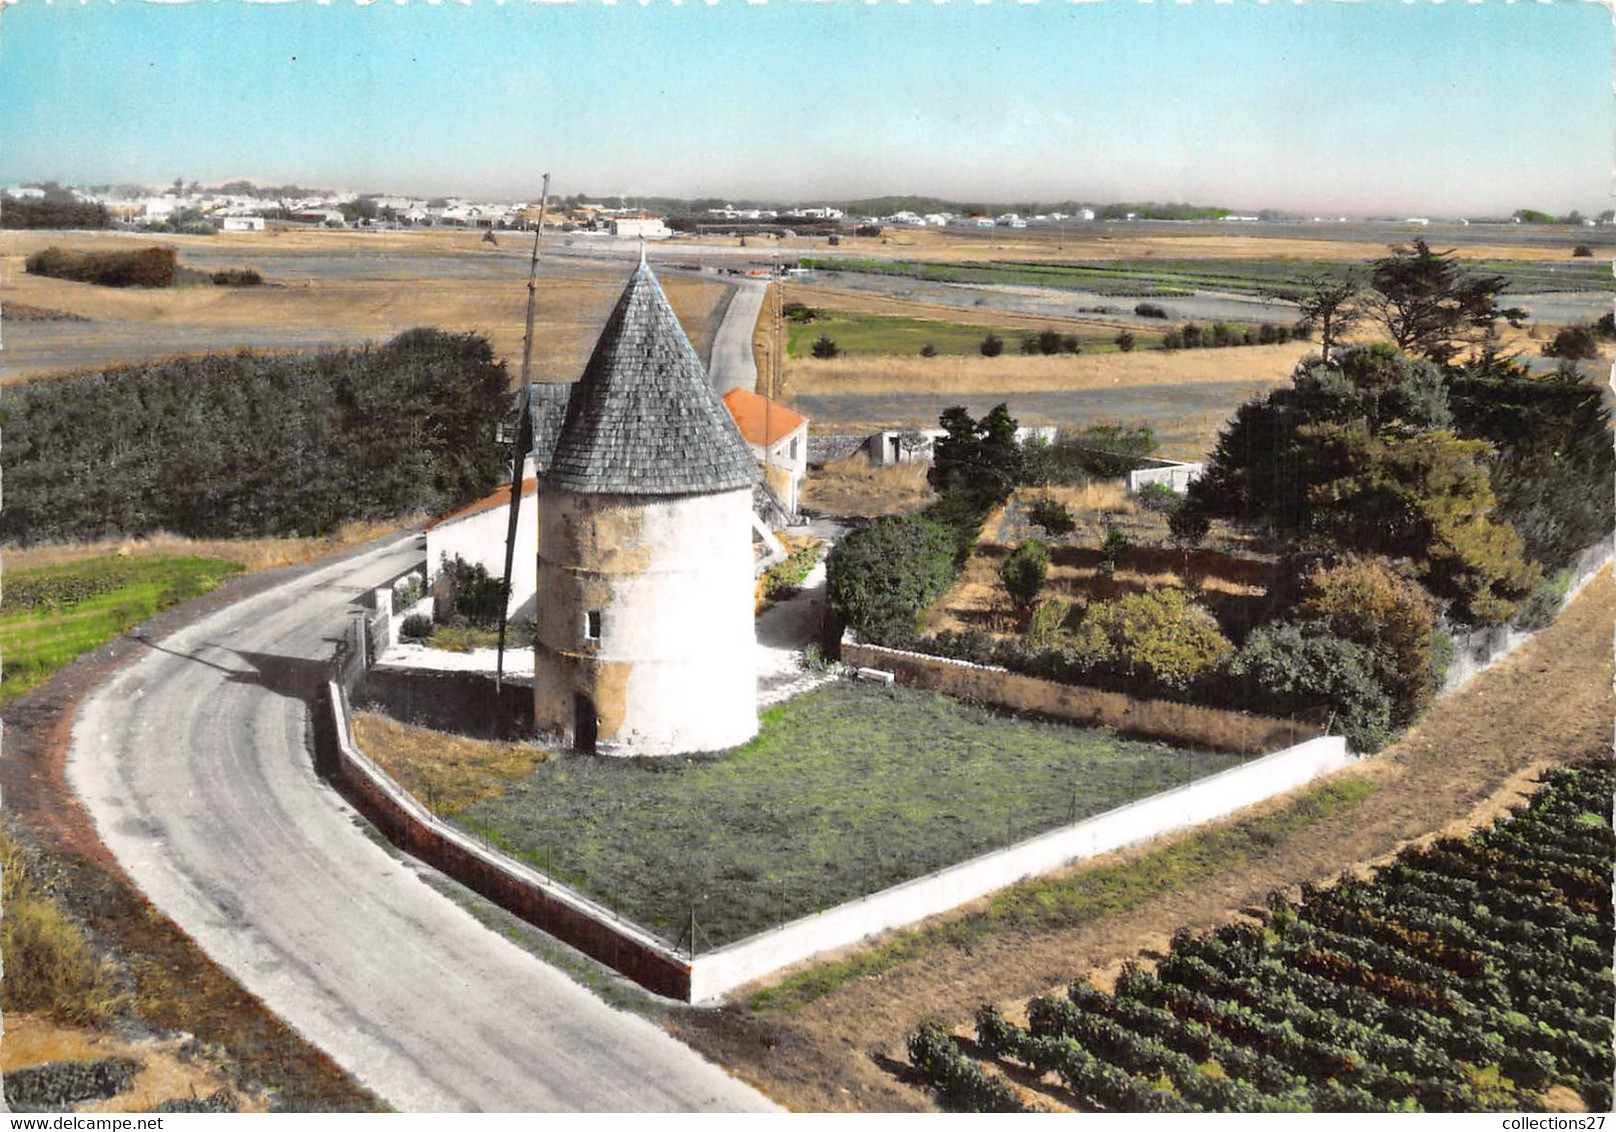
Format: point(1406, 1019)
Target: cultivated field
point(321, 289)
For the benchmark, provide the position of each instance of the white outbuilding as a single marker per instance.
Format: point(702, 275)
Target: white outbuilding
point(645, 638)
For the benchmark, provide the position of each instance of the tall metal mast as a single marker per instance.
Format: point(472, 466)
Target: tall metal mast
point(524, 432)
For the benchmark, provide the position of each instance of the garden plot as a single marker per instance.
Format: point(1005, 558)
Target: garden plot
point(847, 791)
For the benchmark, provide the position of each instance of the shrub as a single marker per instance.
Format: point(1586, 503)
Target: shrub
point(1075, 458)
point(1291, 668)
point(991, 346)
point(1573, 342)
point(1606, 326)
point(885, 573)
point(242, 276)
point(1029, 345)
point(825, 347)
point(1172, 340)
point(1364, 601)
point(1160, 498)
point(1052, 517)
point(1582, 251)
point(1189, 528)
point(928, 351)
point(149, 267)
point(1158, 633)
point(784, 579)
point(1124, 341)
point(1149, 310)
point(1047, 620)
point(479, 597)
point(416, 627)
point(1024, 571)
point(1115, 546)
point(798, 312)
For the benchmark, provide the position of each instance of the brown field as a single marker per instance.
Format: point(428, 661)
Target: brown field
point(253, 553)
point(1097, 241)
point(574, 297)
point(1019, 373)
point(1228, 574)
point(853, 486)
point(1476, 753)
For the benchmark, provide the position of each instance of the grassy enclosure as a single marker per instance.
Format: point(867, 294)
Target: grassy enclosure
point(863, 335)
point(52, 614)
point(847, 790)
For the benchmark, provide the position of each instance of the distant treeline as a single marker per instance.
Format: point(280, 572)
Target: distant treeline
point(254, 444)
point(58, 209)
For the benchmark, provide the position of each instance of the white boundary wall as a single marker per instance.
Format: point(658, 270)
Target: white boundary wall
point(1201, 801)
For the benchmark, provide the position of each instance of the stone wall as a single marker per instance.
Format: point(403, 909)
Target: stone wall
point(465, 703)
point(1161, 719)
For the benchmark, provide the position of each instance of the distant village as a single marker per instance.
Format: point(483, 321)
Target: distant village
point(241, 206)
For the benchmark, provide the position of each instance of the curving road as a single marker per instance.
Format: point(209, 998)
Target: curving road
point(193, 762)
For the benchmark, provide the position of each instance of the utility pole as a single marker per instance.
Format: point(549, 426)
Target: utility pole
point(524, 435)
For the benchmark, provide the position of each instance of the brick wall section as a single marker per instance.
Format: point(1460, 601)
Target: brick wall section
point(551, 907)
point(1161, 719)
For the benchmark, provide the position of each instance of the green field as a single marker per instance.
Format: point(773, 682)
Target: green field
point(867, 335)
point(1147, 278)
point(847, 790)
point(52, 614)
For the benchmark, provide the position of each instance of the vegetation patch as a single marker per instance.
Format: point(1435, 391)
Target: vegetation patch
point(446, 772)
point(255, 444)
point(1471, 975)
point(1082, 897)
point(864, 335)
point(848, 790)
point(148, 267)
point(52, 614)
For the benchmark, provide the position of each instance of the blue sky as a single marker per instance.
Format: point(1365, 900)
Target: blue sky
point(1446, 108)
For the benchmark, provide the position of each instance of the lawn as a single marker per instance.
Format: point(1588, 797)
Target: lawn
point(52, 614)
point(866, 335)
point(847, 790)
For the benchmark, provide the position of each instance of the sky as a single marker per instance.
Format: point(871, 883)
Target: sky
point(1367, 108)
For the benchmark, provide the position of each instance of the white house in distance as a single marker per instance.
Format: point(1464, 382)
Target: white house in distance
point(640, 227)
point(888, 446)
point(778, 438)
point(242, 223)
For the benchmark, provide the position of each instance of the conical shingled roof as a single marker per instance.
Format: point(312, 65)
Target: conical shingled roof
point(643, 419)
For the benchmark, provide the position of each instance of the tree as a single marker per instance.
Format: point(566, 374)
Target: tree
point(991, 346)
point(1124, 341)
point(1024, 571)
point(979, 457)
point(1332, 303)
point(825, 347)
point(1430, 307)
point(881, 575)
point(1289, 668)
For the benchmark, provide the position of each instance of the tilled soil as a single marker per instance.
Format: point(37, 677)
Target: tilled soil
point(1476, 753)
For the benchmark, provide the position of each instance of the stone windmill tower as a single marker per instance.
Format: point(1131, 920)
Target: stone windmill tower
point(645, 625)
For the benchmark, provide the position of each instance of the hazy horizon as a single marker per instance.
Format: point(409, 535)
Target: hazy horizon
point(1319, 109)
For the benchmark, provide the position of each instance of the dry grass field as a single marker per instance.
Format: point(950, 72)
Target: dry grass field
point(336, 286)
point(252, 553)
point(853, 486)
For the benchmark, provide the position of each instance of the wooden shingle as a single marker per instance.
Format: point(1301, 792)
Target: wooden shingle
point(643, 419)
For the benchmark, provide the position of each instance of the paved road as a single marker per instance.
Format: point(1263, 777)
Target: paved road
point(192, 760)
point(732, 365)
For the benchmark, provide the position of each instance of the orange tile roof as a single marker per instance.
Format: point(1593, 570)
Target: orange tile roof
point(499, 497)
point(753, 414)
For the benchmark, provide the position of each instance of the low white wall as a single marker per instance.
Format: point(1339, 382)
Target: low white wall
point(1212, 797)
point(1176, 476)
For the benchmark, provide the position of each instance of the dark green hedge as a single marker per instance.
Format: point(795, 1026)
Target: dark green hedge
point(252, 444)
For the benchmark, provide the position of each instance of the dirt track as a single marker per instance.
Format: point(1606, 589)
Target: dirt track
point(1475, 754)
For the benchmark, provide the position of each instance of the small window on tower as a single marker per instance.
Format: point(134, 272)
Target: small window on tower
point(592, 621)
